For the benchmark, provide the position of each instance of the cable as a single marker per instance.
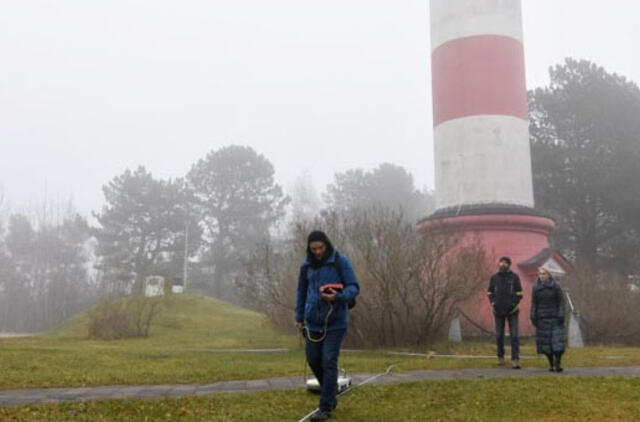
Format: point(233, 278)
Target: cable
point(368, 380)
point(468, 318)
point(311, 339)
point(326, 324)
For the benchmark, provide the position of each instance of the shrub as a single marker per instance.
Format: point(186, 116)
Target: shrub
point(411, 283)
point(117, 318)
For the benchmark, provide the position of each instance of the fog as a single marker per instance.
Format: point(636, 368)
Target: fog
point(88, 89)
point(269, 110)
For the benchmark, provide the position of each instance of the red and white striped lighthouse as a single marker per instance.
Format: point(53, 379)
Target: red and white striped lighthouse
point(481, 135)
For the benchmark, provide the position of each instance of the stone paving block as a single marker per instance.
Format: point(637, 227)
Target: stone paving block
point(400, 377)
point(34, 395)
point(181, 391)
point(9, 393)
point(132, 391)
point(360, 377)
point(63, 394)
point(283, 383)
point(209, 388)
point(234, 385)
point(101, 393)
point(185, 389)
point(258, 385)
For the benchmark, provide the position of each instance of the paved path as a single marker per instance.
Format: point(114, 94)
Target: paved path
point(52, 395)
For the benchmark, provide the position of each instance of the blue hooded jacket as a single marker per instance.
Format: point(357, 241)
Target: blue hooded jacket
point(310, 307)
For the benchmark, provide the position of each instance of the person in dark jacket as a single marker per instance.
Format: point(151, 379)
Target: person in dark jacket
point(505, 293)
point(547, 315)
point(322, 313)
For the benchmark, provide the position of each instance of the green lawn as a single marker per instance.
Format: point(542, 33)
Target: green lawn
point(185, 344)
point(557, 398)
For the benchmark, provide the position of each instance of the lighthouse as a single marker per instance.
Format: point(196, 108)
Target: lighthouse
point(483, 179)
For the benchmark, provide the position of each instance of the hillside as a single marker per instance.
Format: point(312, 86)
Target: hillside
point(195, 321)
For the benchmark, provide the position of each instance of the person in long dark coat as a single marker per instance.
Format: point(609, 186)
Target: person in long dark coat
point(547, 315)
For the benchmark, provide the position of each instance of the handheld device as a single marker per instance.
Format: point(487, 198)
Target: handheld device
point(337, 287)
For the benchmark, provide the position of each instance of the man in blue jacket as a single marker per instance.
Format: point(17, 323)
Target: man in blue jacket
point(322, 313)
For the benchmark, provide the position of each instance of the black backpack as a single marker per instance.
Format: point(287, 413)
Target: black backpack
point(336, 265)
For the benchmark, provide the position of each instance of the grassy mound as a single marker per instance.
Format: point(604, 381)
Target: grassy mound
point(192, 339)
point(194, 320)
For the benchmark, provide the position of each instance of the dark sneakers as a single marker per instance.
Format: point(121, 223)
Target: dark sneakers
point(321, 415)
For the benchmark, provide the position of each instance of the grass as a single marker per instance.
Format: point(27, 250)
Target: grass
point(547, 399)
point(186, 321)
point(185, 347)
point(181, 348)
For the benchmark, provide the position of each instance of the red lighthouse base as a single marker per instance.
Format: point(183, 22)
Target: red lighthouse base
point(524, 237)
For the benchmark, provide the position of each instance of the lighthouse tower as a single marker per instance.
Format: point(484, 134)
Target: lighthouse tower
point(481, 134)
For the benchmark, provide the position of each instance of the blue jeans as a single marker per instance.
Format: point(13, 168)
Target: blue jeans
point(513, 332)
point(323, 360)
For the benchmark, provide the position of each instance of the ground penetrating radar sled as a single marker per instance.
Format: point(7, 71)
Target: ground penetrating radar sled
point(344, 382)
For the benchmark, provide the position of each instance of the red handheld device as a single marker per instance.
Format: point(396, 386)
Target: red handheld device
point(335, 286)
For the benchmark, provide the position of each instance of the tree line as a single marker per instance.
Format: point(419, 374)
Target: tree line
point(585, 140)
point(214, 218)
point(234, 224)
point(44, 269)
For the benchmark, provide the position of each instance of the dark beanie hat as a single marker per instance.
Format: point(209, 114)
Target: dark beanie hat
point(505, 259)
point(318, 236)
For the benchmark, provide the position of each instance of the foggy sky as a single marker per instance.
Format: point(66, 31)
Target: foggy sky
point(89, 88)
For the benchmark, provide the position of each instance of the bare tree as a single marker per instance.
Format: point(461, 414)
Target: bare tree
point(411, 284)
point(608, 304)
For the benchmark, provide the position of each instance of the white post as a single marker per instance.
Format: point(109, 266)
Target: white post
point(455, 331)
point(185, 263)
point(574, 334)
